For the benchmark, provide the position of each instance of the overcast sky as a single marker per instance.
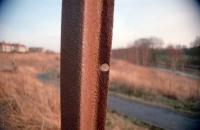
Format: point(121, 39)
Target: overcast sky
point(37, 23)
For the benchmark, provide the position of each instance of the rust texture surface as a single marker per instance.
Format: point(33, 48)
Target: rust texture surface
point(85, 57)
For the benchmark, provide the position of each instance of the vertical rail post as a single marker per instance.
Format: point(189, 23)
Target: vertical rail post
point(86, 37)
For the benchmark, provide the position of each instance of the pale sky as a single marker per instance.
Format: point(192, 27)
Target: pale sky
point(37, 23)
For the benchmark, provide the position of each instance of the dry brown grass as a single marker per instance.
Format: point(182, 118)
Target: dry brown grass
point(154, 81)
point(40, 61)
point(25, 102)
point(28, 104)
point(117, 122)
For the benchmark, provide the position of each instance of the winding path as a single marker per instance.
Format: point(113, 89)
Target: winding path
point(157, 116)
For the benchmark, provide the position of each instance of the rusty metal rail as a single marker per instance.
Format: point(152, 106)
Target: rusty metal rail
point(85, 57)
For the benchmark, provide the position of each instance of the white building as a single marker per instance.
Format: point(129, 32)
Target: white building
point(7, 48)
point(19, 48)
point(4, 47)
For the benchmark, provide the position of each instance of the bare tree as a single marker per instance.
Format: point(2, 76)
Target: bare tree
point(175, 56)
point(142, 50)
point(196, 42)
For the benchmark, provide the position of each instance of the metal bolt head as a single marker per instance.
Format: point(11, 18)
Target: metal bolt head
point(104, 67)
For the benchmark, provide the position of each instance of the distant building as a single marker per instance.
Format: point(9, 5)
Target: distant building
point(4, 47)
point(19, 48)
point(49, 52)
point(36, 49)
point(7, 48)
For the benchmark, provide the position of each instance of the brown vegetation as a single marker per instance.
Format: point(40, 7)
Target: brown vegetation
point(117, 122)
point(40, 61)
point(26, 103)
point(154, 81)
point(151, 52)
point(141, 51)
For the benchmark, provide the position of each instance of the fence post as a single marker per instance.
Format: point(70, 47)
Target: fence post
point(86, 37)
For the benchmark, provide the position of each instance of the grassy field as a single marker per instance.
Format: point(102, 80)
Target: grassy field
point(153, 85)
point(26, 103)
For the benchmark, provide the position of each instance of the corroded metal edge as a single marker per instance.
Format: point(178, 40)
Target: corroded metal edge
point(85, 45)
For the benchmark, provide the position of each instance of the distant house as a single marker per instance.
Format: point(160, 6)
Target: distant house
point(36, 50)
point(4, 47)
point(7, 48)
point(19, 48)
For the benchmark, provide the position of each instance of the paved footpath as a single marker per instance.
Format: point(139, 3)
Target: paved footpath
point(158, 116)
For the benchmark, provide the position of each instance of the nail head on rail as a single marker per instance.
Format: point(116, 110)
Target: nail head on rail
point(105, 67)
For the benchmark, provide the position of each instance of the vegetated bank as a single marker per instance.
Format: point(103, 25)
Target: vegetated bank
point(27, 103)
